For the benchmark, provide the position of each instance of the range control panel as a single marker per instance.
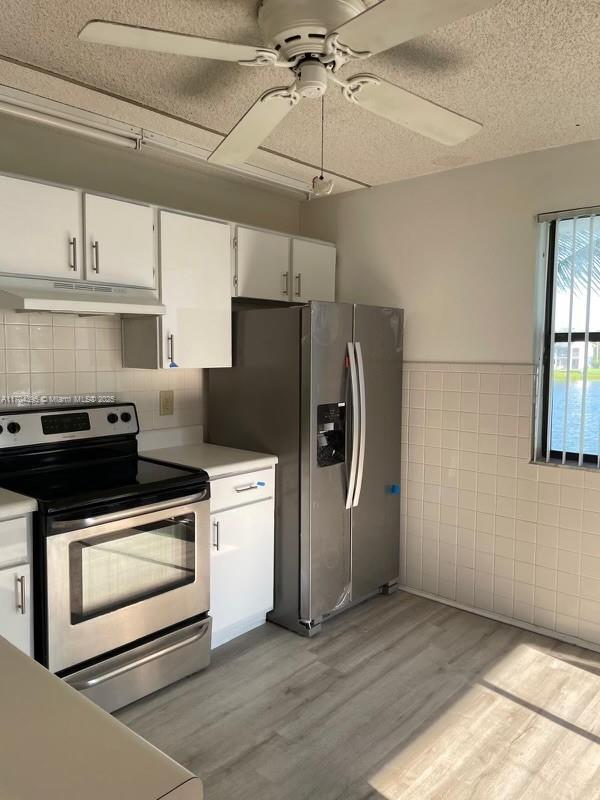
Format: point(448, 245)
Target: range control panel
point(30, 427)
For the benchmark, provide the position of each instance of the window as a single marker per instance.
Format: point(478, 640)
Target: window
point(570, 422)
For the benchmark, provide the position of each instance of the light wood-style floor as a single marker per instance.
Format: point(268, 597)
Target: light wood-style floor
point(398, 698)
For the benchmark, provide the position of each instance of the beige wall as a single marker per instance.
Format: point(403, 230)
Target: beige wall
point(40, 152)
point(457, 250)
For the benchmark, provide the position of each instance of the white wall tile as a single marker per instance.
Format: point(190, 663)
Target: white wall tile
point(40, 337)
point(17, 336)
point(46, 355)
point(499, 533)
point(17, 361)
point(64, 338)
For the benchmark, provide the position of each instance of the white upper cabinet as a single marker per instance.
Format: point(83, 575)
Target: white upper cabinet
point(195, 281)
point(272, 266)
point(40, 229)
point(313, 271)
point(263, 265)
point(119, 242)
point(195, 288)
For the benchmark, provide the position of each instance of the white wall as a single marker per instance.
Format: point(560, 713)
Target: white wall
point(38, 151)
point(457, 250)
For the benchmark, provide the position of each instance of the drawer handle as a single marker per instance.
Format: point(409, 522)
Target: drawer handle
point(97, 680)
point(250, 487)
point(22, 594)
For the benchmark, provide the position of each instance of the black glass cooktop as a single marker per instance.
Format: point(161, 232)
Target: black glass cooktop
point(68, 486)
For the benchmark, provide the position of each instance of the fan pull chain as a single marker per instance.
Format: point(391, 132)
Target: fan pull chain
point(322, 134)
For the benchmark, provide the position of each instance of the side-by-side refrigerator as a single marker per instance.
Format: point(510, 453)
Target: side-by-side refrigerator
point(320, 386)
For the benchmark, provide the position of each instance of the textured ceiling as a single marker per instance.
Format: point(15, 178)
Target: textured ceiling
point(529, 70)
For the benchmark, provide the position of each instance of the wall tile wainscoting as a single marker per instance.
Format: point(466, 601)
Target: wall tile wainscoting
point(66, 356)
point(482, 527)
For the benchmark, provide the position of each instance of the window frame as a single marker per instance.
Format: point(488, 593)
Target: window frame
point(550, 338)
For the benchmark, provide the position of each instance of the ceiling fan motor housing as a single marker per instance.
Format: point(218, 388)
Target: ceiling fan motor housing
point(297, 28)
point(311, 78)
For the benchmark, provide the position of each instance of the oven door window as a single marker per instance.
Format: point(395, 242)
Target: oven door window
point(111, 571)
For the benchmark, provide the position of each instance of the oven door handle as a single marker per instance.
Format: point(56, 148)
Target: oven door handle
point(138, 662)
point(67, 525)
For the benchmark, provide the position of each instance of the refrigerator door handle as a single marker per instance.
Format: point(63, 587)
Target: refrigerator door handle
point(354, 401)
point(363, 424)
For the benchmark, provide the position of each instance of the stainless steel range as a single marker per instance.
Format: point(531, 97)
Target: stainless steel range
point(120, 551)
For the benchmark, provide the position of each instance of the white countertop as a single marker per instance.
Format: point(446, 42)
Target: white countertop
point(57, 745)
point(216, 460)
point(15, 505)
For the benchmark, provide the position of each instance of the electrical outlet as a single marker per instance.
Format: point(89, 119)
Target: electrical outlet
point(167, 402)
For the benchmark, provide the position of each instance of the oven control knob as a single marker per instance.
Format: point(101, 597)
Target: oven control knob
point(112, 418)
point(13, 427)
point(126, 416)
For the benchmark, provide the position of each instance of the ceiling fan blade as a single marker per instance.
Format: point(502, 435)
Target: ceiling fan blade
point(181, 44)
point(409, 110)
point(392, 22)
point(255, 126)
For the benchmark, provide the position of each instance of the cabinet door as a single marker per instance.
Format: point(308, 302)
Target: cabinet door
point(120, 242)
point(263, 265)
point(40, 229)
point(195, 280)
point(15, 607)
point(313, 269)
point(241, 580)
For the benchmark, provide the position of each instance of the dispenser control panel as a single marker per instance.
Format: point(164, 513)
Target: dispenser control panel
point(331, 434)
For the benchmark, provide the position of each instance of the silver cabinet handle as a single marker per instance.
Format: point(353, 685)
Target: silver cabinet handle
point(73, 254)
point(285, 283)
point(363, 423)
point(298, 284)
point(22, 594)
point(355, 425)
point(248, 488)
point(171, 347)
point(217, 527)
point(95, 257)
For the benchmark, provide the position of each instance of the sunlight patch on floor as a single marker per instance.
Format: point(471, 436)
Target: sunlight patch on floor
point(529, 728)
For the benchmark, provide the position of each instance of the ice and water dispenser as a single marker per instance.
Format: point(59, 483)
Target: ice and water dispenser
point(331, 434)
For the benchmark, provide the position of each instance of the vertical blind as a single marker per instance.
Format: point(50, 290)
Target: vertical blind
point(572, 352)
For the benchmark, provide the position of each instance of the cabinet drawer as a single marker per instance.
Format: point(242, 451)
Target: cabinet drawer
point(238, 490)
point(14, 535)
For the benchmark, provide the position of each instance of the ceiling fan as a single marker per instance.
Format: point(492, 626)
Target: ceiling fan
point(314, 39)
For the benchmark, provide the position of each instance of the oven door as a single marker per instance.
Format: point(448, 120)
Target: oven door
point(116, 578)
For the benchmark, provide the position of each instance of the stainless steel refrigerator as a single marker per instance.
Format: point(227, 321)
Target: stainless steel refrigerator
point(320, 386)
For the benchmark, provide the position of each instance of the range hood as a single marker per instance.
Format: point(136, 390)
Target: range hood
point(33, 294)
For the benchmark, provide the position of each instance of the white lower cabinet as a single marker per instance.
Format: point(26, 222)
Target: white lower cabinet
point(15, 606)
point(241, 568)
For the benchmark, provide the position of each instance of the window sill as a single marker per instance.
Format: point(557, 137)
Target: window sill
point(554, 462)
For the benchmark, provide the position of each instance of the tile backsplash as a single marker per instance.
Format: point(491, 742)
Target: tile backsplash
point(56, 358)
point(481, 525)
